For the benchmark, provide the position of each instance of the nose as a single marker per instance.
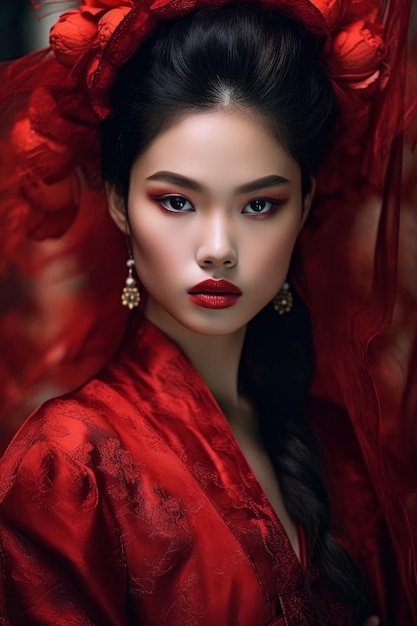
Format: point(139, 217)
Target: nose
point(216, 245)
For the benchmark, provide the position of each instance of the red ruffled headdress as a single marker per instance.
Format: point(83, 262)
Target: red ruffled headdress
point(58, 96)
point(62, 261)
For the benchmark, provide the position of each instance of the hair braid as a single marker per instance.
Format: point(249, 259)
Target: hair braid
point(276, 370)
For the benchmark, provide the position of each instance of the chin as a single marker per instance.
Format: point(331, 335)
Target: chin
point(199, 320)
point(210, 326)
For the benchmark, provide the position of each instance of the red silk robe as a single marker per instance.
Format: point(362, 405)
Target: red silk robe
point(130, 502)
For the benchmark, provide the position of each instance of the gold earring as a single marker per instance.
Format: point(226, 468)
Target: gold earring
point(130, 293)
point(283, 301)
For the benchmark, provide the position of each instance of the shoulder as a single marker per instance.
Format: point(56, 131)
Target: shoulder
point(47, 456)
point(61, 444)
point(55, 518)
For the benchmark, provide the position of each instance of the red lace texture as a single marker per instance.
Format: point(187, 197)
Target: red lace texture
point(146, 510)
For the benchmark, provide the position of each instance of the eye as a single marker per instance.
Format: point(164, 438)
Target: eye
point(260, 206)
point(175, 204)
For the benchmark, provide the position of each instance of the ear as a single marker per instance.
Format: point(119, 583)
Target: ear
point(308, 201)
point(117, 208)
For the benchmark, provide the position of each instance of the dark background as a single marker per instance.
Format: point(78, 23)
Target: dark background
point(13, 39)
point(22, 29)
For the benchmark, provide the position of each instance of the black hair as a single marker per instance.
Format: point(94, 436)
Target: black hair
point(233, 56)
point(243, 57)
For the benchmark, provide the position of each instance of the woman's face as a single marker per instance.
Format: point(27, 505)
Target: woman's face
point(214, 198)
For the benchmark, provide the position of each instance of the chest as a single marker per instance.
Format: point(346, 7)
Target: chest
point(245, 430)
point(200, 541)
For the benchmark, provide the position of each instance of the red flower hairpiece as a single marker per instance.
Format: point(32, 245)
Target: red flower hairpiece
point(52, 139)
point(95, 39)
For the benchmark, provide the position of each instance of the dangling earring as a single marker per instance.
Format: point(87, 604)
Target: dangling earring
point(130, 293)
point(283, 301)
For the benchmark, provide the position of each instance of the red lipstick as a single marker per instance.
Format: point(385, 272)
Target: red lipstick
point(215, 294)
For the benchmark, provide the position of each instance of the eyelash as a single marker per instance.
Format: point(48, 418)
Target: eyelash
point(162, 199)
point(166, 198)
point(272, 201)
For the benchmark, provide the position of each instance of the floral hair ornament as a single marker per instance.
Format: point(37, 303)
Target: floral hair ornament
point(99, 36)
point(55, 99)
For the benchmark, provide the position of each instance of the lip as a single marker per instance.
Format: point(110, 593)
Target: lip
point(214, 300)
point(215, 287)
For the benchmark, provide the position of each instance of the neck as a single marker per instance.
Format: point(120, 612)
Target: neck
point(215, 357)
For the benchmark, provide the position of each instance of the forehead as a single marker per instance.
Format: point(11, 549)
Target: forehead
point(221, 148)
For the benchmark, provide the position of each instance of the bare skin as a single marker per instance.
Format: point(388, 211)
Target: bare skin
point(217, 361)
point(244, 424)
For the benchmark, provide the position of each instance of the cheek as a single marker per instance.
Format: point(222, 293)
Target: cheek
point(156, 256)
point(271, 255)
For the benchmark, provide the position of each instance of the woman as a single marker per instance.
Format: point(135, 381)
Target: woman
point(181, 484)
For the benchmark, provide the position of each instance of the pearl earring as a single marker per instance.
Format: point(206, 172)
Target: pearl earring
point(130, 293)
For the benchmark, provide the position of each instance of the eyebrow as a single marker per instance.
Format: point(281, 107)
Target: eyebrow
point(272, 180)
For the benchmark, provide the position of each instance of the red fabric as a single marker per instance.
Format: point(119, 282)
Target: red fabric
point(355, 268)
point(129, 501)
point(60, 312)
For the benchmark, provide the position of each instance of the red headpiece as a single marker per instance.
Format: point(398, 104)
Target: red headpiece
point(59, 96)
point(97, 38)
